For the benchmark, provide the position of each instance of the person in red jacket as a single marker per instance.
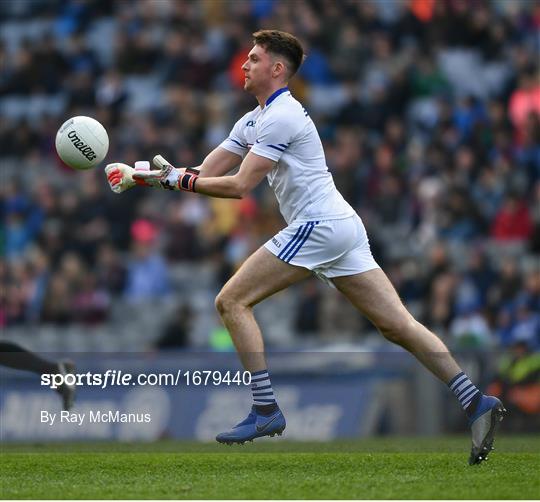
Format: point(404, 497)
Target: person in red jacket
point(513, 221)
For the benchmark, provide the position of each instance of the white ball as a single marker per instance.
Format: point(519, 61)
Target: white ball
point(82, 142)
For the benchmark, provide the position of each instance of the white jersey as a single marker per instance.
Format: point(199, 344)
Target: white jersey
point(283, 132)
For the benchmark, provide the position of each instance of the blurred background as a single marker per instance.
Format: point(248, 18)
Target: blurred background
point(429, 112)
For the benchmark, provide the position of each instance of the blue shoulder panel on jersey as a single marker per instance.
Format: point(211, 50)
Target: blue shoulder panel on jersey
point(275, 95)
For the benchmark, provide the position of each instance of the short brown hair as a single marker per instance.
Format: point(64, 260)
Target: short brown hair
point(283, 44)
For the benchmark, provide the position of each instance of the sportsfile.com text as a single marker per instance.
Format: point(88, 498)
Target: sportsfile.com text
point(121, 378)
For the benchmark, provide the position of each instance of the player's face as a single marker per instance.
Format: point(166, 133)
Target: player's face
point(258, 70)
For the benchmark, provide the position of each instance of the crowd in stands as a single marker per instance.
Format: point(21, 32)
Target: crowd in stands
point(429, 111)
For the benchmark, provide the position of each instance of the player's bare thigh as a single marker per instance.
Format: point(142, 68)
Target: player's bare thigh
point(373, 294)
point(259, 277)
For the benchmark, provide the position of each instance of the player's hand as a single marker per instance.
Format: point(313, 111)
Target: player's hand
point(120, 177)
point(168, 177)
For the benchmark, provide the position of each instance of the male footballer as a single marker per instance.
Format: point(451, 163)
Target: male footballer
point(279, 141)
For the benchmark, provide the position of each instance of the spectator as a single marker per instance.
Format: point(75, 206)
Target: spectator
point(110, 270)
point(57, 307)
point(147, 277)
point(176, 333)
point(307, 320)
point(524, 101)
point(513, 221)
point(90, 303)
point(469, 328)
point(518, 384)
point(23, 221)
point(508, 284)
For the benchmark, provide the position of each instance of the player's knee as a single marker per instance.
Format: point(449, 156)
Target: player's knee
point(225, 303)
point(397, 328)
point(221, 303)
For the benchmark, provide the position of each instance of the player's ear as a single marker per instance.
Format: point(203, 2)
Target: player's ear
point(279, 69)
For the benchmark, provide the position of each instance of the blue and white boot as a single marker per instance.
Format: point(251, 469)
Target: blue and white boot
point(487, 416)
point(254, 426)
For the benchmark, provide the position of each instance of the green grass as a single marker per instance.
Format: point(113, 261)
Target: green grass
point(407, 468)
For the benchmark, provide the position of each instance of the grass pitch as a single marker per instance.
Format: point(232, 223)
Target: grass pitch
point(390, 468)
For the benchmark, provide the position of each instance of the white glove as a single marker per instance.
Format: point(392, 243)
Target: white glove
point(120, 176)
point(168, 177)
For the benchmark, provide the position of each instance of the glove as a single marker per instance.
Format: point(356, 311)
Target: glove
point(120, 176)
point(168, 177)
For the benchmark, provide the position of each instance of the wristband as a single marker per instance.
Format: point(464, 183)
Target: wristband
point(141, 165)
point(187, 180)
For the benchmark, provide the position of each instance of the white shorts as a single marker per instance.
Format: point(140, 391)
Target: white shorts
point(331, 248)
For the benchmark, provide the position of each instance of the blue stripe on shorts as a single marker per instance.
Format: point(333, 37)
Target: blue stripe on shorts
point(294, 245)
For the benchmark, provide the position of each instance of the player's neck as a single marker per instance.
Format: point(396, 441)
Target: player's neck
point(268, 96)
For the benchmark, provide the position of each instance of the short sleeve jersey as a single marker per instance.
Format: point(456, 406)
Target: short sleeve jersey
point(283, 132)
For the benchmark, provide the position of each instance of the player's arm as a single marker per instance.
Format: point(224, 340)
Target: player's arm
point(218, 163)
point(252, 170)
point(274, 136)
point(122, 177)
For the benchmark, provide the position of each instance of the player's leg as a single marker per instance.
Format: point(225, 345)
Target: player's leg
point(372, 293)
point(259, 277)
point(16, 357)
point(262, 275)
